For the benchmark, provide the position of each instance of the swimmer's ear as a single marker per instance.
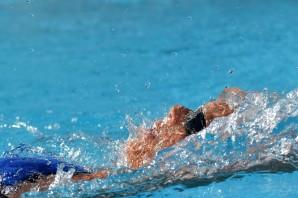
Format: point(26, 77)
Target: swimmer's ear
point(177, 114)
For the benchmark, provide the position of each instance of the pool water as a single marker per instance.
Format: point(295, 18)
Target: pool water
point(74, 73)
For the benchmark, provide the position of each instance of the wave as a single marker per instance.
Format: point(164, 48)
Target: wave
point(260, 136)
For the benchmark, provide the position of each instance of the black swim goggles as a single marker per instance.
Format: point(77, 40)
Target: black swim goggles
point(195, 122)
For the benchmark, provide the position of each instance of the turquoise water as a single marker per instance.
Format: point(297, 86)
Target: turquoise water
point(72, 72)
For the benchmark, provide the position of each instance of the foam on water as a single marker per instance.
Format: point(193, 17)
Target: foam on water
point(260, 136)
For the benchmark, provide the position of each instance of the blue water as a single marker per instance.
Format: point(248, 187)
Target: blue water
point(73, 71)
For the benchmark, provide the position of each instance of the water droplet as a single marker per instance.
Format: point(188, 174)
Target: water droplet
point(49, 111)
point(189, 18)
point(74, 120)
point(231, 71)
point(117, 88)
point(148, 85)
point(53, 126)
point(56, 126)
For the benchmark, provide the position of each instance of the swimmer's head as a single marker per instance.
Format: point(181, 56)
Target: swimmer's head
point(177, 114)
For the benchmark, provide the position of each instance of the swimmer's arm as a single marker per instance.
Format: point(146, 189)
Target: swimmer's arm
point(102, 174)
point(44, 182)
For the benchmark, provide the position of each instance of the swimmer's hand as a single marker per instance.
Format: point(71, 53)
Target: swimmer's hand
point(216, 109)
point(232, 96)
point(222, 106)
point(235, 91)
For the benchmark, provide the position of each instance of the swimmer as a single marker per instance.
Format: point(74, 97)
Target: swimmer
point(18, 175)
point(177, 125)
